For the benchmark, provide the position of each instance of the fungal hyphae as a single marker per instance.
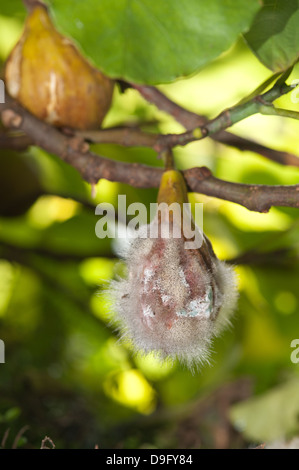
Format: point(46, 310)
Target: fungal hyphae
point(174, 300)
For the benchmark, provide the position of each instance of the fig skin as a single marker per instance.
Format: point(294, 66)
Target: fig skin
point(174, 300)
point(47, 74)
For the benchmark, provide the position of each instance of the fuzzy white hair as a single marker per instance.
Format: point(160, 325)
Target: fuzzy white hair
point(173, 301)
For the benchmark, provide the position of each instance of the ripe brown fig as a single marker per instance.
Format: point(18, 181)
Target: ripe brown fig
point(47, 74)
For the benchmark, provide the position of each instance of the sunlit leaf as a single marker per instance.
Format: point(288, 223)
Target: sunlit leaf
point(270, 416)
point(153, 41)
point(274, 34)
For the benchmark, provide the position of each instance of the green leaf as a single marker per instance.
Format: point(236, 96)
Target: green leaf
point(274, 36)
point(270, 416)
point(13, 8)
point(12, 414)
point(153, 41)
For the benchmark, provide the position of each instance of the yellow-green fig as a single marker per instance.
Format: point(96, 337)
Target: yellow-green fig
point(48, 75)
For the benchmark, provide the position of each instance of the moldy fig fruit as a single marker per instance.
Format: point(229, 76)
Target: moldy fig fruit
point(177, 295)
point(47, 74)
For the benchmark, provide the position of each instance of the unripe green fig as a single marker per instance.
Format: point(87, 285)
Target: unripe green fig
point(48, 75)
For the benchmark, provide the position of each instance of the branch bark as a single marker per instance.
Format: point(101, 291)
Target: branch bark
point(285, 257)
point(14, 142)
point(278, 156)
point(128, 137)
point(92, 167)
point(197, 126)
point(191, 120)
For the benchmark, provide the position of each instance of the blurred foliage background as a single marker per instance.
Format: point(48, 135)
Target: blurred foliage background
point(66, 374)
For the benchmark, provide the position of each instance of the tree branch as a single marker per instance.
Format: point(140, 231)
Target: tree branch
point(231, 116)
point(93, 167)
point(255, 197)
point(191, 120)
point(188, 119)
point(133, 137)
point(273, 111)
point(14, 142)
point(125, 136)
point(284, 158)
point(128, 136)
point(284, 257)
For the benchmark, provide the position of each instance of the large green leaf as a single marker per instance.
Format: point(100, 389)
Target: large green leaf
point(274, 35)
point(153, 41)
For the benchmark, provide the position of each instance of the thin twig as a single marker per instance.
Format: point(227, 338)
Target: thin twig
point(187, 118)
point(46, 440)
point(4, 439)
point(93, 167)
point(281, 157)
point(19, 435)
point(191, 120)
point(273, 111)
point(133, 137)
point(283, 257)
point(221, 122)
point(125, 136)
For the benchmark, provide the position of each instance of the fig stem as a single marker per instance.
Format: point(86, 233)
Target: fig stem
point(167, 157)
point(31, 4)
